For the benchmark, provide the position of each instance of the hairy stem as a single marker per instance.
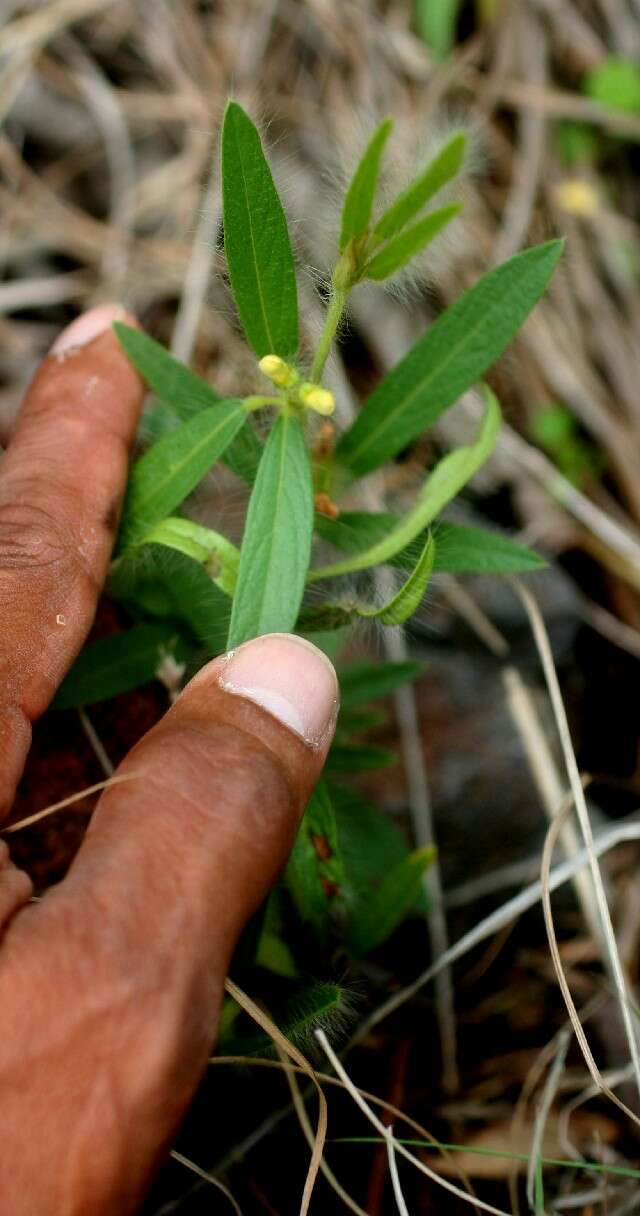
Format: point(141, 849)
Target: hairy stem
point(331, 323)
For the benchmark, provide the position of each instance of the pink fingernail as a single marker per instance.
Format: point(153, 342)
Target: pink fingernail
point(89, 326)
point(290, 678)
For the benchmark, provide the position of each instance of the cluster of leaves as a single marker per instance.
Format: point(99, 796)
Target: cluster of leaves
point(189, 589)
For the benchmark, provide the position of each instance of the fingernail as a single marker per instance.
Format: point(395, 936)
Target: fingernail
point(89, 326)
point(290, 678)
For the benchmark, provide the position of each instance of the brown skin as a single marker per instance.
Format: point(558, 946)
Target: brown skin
point(110, 985)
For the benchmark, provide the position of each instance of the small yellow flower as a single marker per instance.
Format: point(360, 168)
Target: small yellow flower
point(317, 398)
point(577, 197)
point(277, 371)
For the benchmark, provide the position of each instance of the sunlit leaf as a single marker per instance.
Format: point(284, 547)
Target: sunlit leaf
point(402, 248)
point(161, 479)
point(444, 166)
point(444, 482)
point(459, 549)
point(256, 241)
point(454, 353)
point(181, 395)
point(218, 555)
point(358, 203)
point(276, 545)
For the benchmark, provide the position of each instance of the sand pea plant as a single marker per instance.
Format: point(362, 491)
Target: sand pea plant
point(192, 592)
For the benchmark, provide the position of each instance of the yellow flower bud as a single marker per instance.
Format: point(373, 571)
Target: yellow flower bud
point(317, 398)
point(277, 371)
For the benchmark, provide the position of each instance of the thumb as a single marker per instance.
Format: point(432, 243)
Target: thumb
point(110, 986)
point(217, 789)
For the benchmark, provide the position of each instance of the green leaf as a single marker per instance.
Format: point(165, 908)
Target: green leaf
point(161, 479)
point(615, 82)
point(186, 394)
point(444, 482)
point(118, 663)
point(436, 24)
point(444, 166)
point(170, 380)
point(462, 550)
point(401, 249)
point(163, 582)
point(352, 721)
point(256, 241)
point(212, 550)
point(408, 599)
point(358, 203)
point(459, 549)
point(398, 610)
point(317, 1004)
point(364, 682)
point(388, 906)
point(371, 844)
point(351, 758)
point(276, 546)
point(315, 874)
point(454, 353)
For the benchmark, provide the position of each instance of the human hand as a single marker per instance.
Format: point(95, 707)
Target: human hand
point(110, 985)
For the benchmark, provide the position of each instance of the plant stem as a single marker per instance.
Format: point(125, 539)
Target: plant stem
point(331, 323)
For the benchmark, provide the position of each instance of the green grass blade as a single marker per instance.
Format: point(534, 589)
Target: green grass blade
point(442, 169)
point(443, 484)
point(161, 479)
point(256, 241)
point(358, 203)
point(454, 353)
point(118, 663)
point(276, 546)
point(402, 248)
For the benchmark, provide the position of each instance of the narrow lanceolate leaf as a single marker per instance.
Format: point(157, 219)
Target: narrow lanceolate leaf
point(398, 610)
point(164, 582)
point(402, 248)
point(256, 241)
point(315, 873)
point(410, 596)
point(349, 758)
point(441, 170)
point(276, 546)
point(358, 203)
point(119, 663)
point(444, 482)
point(170, 470)
point(184, 394)
point(459, 549)
point(453, 354)
point(170, 380)
point(364, 682)
point(212, 550)
point(388, 906)
point(436, 22)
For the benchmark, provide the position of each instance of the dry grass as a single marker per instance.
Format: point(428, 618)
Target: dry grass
point(110, 115)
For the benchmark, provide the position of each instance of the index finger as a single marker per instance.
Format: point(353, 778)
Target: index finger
point(62, 482)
